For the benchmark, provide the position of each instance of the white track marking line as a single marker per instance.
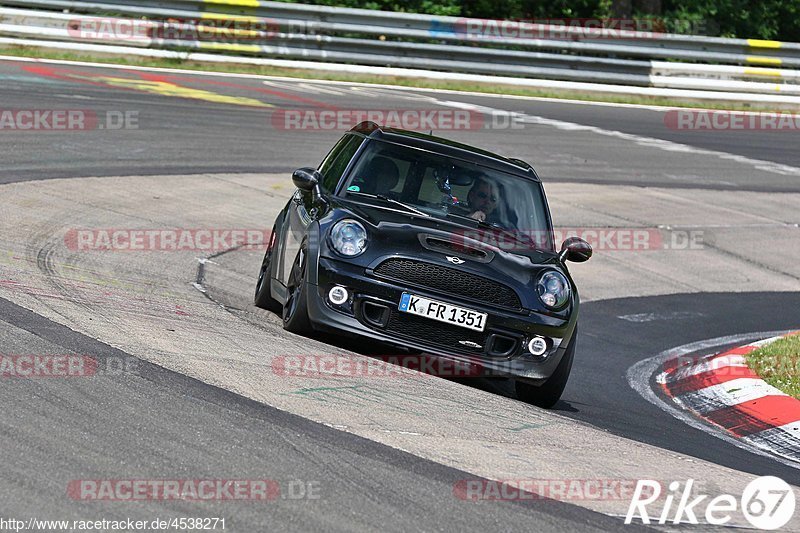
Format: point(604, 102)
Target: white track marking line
point(382, 93)
point(316, 89)
point(301, 88)
point(639, 379)
point(369, 92)
point(648, 142)
point(759, 344)
point(728, 394)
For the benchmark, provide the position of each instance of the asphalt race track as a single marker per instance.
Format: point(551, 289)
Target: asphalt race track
point(199, 397)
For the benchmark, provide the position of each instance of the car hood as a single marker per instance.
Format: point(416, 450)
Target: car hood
point(393, 232)
point(386, 217)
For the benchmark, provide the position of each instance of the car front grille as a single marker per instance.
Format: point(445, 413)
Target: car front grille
point(449, 281)
point(435, 333)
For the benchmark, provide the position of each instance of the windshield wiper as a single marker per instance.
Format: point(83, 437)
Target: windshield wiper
point(391, 201)
point(488, 225)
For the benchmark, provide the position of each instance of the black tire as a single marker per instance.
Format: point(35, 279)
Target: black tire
point(548, 394)
point(295, 309)
point(263, 297)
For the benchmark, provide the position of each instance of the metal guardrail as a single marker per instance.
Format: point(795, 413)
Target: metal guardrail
point(367, 52)
point(407, 25)
point(450, 44)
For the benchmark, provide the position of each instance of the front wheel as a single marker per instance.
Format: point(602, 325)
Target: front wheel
point(295, 309)
point(548, 394)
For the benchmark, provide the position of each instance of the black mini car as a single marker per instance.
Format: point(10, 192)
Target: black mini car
point(432, 246)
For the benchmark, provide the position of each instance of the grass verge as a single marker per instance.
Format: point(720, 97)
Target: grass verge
point(489, 88)
point(779, 364)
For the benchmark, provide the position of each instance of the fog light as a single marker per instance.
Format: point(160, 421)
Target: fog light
point(338, 295)
point(537, 346)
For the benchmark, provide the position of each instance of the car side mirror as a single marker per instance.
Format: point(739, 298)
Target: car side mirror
point(576, 250)
point(306, 179)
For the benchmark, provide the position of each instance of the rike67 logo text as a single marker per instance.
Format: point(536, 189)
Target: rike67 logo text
point(767, 503)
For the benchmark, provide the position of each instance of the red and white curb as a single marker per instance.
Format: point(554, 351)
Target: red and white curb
point(641, 374)
point(722, 390)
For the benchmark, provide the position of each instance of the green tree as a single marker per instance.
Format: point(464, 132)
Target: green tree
point(761, 19)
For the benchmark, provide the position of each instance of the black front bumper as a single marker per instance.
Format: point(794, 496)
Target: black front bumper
point(372, 311)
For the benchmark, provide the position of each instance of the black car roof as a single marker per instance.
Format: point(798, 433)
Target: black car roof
point(446, 147)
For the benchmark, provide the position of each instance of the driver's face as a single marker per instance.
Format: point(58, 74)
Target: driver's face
point(483, 199)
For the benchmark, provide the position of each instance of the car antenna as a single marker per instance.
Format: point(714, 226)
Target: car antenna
point(430, 132)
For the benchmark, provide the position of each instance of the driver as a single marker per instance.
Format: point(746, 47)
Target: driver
point(482, 199)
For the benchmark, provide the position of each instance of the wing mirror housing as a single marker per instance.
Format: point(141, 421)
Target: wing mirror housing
point(576, 250)
point(306, 179)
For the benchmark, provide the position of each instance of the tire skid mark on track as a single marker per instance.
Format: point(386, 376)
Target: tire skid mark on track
point(717, 394)
point(781, 440)
point(40, 249)
point(95, 296)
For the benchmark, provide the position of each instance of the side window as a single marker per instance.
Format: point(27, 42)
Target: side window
point(335, 164)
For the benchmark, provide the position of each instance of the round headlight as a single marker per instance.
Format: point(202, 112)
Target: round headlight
point(553, 289)
point(349, 238)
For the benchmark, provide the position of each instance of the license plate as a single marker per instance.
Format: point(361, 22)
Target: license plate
point(443, 312)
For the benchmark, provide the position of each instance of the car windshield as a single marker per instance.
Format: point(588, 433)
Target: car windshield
point(458, 190)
